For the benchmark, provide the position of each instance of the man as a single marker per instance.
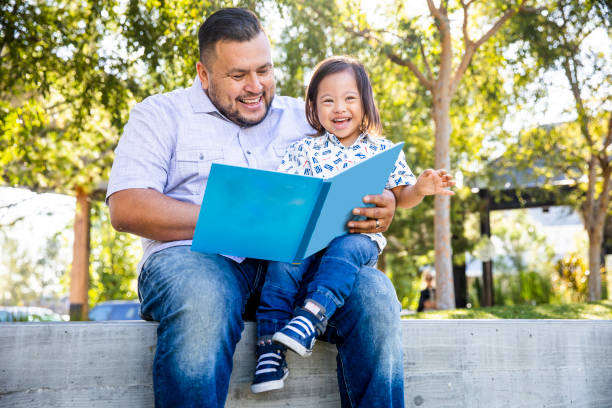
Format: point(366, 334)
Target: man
point(230, 115)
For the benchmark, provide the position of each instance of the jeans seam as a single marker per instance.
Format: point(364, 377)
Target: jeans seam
point(344, 378)
point(258, 277)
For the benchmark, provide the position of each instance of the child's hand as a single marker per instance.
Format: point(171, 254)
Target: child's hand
point(432, 182)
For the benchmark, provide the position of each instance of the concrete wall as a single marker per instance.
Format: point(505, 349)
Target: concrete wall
point(450, 363)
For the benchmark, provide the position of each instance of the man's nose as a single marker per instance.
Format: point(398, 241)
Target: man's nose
point(253, 84)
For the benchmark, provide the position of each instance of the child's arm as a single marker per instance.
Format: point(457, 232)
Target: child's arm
point(430, 182)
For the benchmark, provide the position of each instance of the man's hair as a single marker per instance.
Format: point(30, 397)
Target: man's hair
point(371, 119)
point(228, 24)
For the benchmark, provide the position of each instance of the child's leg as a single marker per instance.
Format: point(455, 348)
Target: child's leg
point(333, 281)
point(278, 296)
point(275, 309)
point(328, 286)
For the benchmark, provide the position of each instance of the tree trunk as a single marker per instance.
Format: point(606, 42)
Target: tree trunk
point(595, 241)
point(445, 289)
point(79, 277)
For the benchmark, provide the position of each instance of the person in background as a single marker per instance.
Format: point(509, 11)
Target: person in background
point(427, 301)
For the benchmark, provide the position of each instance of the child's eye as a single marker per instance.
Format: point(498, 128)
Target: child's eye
point(327, 100)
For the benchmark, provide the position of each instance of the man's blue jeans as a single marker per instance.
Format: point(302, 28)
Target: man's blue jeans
point(326, 277)
point(199, 301)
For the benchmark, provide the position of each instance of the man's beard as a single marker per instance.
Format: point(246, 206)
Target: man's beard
point(234, 115)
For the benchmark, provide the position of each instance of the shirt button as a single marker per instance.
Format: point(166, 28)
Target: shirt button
point(248, 152)
point(201, 156)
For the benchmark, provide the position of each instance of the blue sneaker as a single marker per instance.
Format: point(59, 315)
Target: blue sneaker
point(299, 335)
point(271, 369)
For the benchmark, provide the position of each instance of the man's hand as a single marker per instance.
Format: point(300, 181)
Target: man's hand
point(379, 217)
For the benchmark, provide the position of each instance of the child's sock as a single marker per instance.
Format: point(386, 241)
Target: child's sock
point(318, 312)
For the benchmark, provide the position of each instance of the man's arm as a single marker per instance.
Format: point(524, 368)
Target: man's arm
point(153, 215)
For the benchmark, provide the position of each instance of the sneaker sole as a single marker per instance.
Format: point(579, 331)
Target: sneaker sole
point(291, 344)
point(269, 385)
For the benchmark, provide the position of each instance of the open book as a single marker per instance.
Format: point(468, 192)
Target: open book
point(283, 217)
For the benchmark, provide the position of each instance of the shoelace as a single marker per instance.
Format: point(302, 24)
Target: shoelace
point(300, 322)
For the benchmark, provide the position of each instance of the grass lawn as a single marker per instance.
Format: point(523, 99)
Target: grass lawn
point(593, 311)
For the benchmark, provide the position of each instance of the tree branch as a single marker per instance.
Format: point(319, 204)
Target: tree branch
point(466, 36)
point(426, 62)
point(604, 197)
point(11, 205)
point(603, 157)
point(426, 82)
point(583, 119)
point(590, 196)
point(471, 47)
point(412, 67)
point(608, 140)
point(433, 10)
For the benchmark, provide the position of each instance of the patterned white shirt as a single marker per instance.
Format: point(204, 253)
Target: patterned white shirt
point(325, 156)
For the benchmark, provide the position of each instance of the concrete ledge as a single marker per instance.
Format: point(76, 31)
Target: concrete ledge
point(448, 363)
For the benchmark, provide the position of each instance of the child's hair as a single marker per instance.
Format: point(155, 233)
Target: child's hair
point(371, 118)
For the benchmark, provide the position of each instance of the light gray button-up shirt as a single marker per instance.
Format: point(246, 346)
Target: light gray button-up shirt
point(171, 140)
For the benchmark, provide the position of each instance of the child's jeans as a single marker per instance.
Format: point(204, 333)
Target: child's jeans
point(326, 277)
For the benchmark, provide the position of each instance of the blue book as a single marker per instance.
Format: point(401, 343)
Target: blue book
point(283, 217)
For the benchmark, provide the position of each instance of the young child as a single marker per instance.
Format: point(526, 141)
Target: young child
point(340, 107)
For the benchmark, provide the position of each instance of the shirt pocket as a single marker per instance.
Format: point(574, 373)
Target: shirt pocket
point(193, 167)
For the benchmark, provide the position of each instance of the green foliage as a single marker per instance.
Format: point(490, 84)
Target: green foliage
point(163, 37)
point(559, 39)
point(589, 311)
point(113, 260)
point(522, 274)
point(62, 96)
point(571, 279)
point(69, 72)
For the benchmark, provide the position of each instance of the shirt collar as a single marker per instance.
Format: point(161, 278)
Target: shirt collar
point(198, 98)
point(334, 139)
point(200, 102)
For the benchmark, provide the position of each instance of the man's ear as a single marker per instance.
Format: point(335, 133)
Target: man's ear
point(202, 74)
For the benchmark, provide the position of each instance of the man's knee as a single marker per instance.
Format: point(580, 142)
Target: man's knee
point(377, 299)
point(196, 288)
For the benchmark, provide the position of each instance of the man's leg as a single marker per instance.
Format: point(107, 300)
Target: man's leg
point(198, 300)
point(367, 333)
